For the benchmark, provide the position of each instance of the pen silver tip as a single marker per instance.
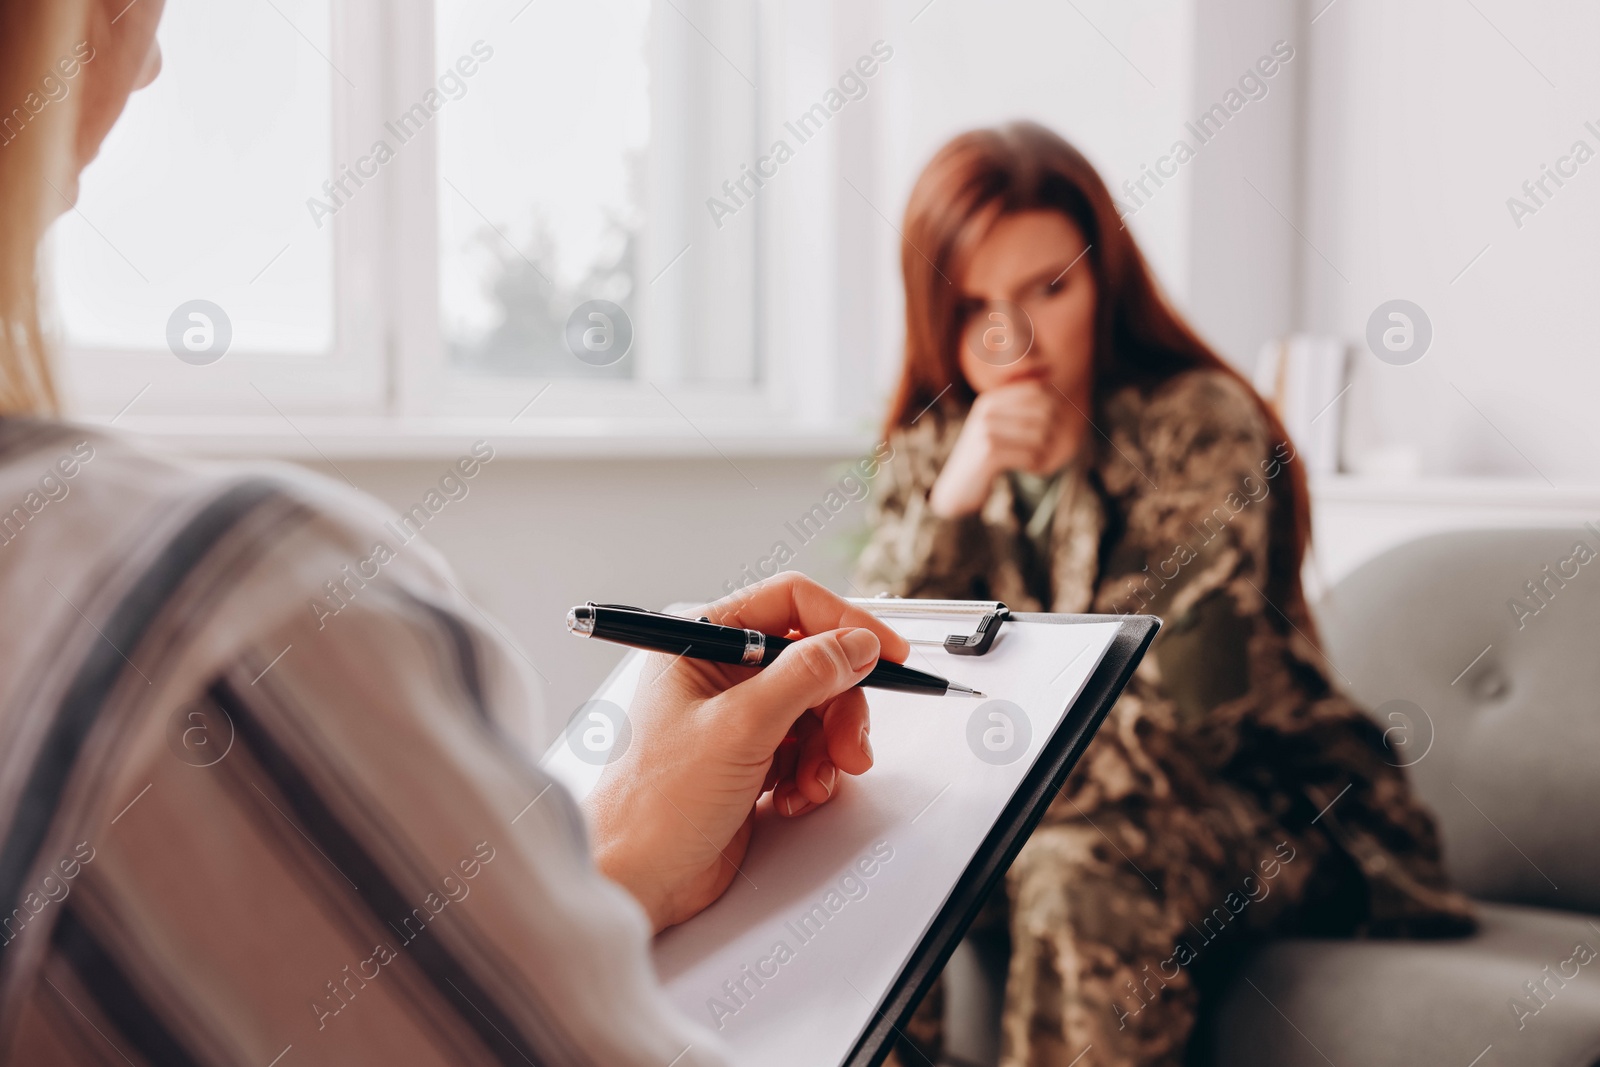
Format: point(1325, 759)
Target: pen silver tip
point(956, 687)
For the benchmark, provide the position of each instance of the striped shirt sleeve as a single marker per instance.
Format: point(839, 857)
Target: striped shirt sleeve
point(299, 825)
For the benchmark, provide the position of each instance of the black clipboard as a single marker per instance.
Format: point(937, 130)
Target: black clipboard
point(1005, 839)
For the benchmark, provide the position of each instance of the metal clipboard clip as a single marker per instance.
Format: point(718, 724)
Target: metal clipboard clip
point(989, 613)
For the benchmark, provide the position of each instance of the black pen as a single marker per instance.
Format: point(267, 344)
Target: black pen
point(704, 639)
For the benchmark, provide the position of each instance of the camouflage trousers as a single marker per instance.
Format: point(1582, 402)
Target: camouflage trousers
point(1118, 915)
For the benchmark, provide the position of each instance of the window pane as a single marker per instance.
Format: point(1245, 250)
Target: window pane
point(542, 172)
point(200, 191)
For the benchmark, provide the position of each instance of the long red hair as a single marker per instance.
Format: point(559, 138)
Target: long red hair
point(1139, 339)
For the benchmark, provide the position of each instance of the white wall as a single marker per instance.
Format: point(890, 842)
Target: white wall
point(1423, 118)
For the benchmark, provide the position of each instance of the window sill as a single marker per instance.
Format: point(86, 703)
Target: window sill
point(333, 438)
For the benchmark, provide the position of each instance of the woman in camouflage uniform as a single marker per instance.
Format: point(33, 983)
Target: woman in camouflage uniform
point(1064, 442)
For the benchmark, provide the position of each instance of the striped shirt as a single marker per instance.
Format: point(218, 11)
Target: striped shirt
point(266, 795)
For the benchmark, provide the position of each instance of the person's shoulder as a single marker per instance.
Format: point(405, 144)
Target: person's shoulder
point(147, 471)
point(99, 485)
point(1208, 394)
point(122, 528)
point(1192, 410)
point(1190, 426)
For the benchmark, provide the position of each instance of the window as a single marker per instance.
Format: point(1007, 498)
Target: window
point(346, 207)
point(542, 183)
point(198, 192)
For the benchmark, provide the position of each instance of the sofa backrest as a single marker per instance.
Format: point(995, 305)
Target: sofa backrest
point(1479, 654)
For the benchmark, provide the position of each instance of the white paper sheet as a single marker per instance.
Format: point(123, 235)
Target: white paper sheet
point(790, 965)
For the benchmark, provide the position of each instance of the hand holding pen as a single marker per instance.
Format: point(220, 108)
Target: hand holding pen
point(673, 828)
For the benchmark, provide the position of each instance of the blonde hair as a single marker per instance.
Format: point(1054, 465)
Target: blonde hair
point(34, 147)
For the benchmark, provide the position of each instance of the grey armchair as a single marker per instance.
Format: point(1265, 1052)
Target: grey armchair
point(1497, 714)
point(1500, 725)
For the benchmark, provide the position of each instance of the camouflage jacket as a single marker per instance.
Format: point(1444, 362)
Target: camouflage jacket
point(1174, 510)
